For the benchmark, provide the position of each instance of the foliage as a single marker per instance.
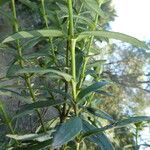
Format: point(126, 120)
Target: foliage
point(55, 67)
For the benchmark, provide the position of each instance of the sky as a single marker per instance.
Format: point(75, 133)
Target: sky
point(133, 18)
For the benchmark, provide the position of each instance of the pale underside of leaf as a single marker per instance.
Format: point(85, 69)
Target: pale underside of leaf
point(37, 137)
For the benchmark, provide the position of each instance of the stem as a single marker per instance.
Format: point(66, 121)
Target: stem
point(47, 26)
point(85, 60)
point(73, 66)
point(7, 119)
point(77, 146)
point(21, 63)
point(136, 136)
point(72, 44)
point(71, 27)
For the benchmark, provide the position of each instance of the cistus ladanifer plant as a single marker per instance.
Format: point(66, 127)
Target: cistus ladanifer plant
point(55, 68)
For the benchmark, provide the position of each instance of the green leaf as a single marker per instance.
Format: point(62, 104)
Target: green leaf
point(92, 88)
point(99, 139)
point(28, 3)
point(28, 44)
point(32, 34)
point(117, 124)
point(114, 35)
point(67, 132)
point(79, 61)
point(2, 2)
point(40, 104)
point(94, 6)
point(85, 20)
point(11, 69)
point(96, 63)
point(103, 93)
point(42, 71)
point(100, 113)
point(36, 137)
point(130, 120)
point(9, 92)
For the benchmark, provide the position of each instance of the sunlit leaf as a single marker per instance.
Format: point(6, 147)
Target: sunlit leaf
point(114, 35)
point(37, 137)
point(32, 34)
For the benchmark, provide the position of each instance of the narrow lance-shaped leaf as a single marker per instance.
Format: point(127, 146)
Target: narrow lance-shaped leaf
point(30, 4)
point(118, 124)
point(100, 139)
point(9, 92)
point(94, 6)
point(42, 71)
point(37, 137)
point(32, 34)
point(67, 132)
point(114, 35)
point(40, 104)
point(100, 113)
point(91, 88)
point(130, 120)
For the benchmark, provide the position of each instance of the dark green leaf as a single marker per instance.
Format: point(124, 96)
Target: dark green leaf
point(96, 63)
point(32, 34)
point(40, 104)
point(28, 3)
point(130, 120)
point(8, 92)
point(99, 139)
point(67, 132)
point(114, 35)
point(79, 60)
point(117, 124)
point(100, 113)
point(11, 69)
point(92, 88)
point(104, 93)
